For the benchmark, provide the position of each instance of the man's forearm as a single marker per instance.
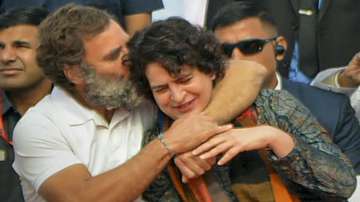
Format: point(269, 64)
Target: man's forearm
point(238, 90)
point(123, 183)
point(132, 178)
point(327, 80)
point(127, 181)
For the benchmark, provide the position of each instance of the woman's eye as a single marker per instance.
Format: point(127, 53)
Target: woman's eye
point(185, 80)
point(159, 90)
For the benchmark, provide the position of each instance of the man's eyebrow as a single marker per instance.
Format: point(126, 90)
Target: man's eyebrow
point(22, 43)
point(113, 53)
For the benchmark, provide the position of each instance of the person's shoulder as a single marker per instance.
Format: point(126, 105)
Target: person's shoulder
point(278, 100)
point(44, 106)
point(40, 107)
point(32, 125)
point(297, 87)
point(272, 93)
point(42, 115)
point(37, 113)
point(273, 98)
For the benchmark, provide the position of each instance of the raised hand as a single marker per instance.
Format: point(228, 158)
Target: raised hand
point(350, 77)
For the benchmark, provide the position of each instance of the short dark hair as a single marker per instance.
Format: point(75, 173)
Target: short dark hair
point(62, 36)
point(23, 16)
point(237, 11)
point(173, 43)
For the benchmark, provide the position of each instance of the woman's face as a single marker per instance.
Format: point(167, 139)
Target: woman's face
point(188, 92)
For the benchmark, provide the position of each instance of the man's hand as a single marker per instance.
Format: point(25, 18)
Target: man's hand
point(350, 77)
point(189, 131)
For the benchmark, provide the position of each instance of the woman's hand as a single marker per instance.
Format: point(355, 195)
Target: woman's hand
point(192, 166)
point(234, 141)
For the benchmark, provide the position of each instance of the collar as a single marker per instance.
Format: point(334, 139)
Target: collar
point(279, 82)
point(77, 114)
point(6, 103)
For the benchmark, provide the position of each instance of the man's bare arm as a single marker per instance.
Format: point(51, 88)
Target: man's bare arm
point(124, 183)
point(237, 91)
point(127, 181)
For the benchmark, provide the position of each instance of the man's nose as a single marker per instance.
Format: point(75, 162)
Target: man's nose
point(8, 55)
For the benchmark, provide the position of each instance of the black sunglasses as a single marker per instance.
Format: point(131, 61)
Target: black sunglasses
point(247, 47)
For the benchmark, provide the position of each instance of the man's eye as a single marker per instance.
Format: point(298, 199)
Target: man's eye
point(22, 45)
point(114, 56)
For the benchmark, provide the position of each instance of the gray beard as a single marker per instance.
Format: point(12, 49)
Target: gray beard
point(110, 92)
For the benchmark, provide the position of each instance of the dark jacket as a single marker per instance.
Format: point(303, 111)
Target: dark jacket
point(10, 190)
point(338, 30)
point(335, 113)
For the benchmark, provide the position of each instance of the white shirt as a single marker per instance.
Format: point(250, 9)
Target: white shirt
point(192, 11)
point(356, 195)
point(279, 82)
point(59, 132)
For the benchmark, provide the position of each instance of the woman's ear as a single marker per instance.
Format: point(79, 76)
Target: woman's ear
point(74, 74)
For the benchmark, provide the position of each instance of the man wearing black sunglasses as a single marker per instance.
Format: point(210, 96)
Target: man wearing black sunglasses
point(247, 47)
point(248, 32)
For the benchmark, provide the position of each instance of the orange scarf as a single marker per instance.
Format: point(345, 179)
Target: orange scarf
point(198, 185)
point(281, 194)
point(3, 133)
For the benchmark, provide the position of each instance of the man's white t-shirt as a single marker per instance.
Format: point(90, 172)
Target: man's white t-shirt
point(59, 132)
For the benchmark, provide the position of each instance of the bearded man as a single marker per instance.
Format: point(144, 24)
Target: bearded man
point(82, 142)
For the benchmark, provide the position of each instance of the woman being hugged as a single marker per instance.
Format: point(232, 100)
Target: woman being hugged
point(275, 143)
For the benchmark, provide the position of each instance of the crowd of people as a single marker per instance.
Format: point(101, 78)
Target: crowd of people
point(99, 103)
